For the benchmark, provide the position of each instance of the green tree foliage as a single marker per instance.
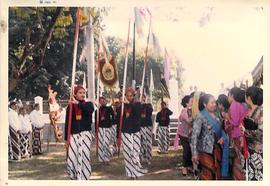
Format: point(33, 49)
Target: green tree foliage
point(41, 41)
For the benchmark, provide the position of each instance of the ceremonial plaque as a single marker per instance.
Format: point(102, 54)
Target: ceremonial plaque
point(108, 72)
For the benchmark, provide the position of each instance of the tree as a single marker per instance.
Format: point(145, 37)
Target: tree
point(41, 41)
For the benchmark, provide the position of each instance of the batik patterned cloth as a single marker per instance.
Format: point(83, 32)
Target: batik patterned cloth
point(163, 139)
point(15, 151)
point(104, 153)
point(36, 147)
point(146, 144)
point(131, 152)
point(78, 159)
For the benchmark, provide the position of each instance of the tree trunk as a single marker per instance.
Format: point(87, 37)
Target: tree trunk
point(40, 46)
point(43, 42)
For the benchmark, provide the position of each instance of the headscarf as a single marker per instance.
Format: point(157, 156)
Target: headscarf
point(77, 88)
point(78, 111)
point(131, 90)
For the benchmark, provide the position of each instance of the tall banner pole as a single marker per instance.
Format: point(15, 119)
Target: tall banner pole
point(145, 57)
point(73, 75)
point(134, 58)
point(124, 89)
point(98, 84)
point(91, 62)
point(151, 88)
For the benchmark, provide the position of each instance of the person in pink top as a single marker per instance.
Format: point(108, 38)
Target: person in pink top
point(237, 110)
point(184, 131)
point(237, 113)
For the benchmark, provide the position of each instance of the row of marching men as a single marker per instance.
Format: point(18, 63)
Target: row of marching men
point(136, 133)
point(223, 138)
point(24, 139)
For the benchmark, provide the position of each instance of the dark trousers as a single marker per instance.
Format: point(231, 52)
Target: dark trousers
point(186, 151)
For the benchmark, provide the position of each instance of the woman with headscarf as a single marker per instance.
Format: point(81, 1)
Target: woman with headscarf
point(253, 124)
point(237, 112)
point(209, 143)
point(78, 157)
point(163, 120)
point(131, 136)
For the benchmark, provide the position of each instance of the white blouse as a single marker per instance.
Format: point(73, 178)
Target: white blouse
point(36, 119)
point(13, 120)
point(25, 124)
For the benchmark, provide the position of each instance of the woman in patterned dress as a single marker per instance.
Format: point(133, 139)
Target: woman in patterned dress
point(253, 125)
point(209, 143)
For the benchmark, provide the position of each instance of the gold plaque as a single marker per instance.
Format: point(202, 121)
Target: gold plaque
point(78, 117)
point(108, 71)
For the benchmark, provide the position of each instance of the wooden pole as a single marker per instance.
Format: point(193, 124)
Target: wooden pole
point(98, 84)
point(134, 57)
point(73, 75)
point(91, 62)
point(124, 89)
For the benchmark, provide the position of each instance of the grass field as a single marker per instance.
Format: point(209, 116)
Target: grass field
point(52, 166)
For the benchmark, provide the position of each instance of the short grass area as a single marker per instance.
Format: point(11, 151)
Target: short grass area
point(52, 166)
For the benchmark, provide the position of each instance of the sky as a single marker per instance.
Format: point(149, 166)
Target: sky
point(214, 44)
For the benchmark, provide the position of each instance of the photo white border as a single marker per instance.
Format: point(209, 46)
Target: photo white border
point(4, 4)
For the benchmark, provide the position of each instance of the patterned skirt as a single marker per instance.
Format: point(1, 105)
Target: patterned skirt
point(255, 166)
point(238, 164)
point(113, 139)
point(26, 147)
point(36, 148)
point(146, 144)
point(14, 145)
point(104, 153)
point(131, 152)
point(78, 158)
point(163, 138)
point(210, 164)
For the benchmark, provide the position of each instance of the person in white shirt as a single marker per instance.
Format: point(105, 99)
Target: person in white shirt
point(14, 131)
point(26, 131)
point(38, 124)
point(61, 115)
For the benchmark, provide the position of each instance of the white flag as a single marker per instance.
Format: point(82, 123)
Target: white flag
point(152, 87)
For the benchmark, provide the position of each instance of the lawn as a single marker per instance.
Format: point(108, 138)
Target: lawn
point(52, 166)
